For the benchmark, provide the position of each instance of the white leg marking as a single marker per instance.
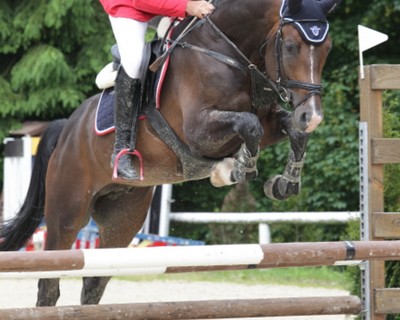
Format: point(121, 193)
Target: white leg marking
point(221, 174)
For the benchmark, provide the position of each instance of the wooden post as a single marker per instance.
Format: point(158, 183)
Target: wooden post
point(381, 226)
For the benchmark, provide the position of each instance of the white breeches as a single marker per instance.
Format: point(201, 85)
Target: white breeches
point(130, 37)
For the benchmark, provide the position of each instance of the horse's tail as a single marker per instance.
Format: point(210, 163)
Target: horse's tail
point(16, 232)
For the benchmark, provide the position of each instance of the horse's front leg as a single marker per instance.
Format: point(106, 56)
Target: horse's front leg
point(283, 186)
point(233, 136)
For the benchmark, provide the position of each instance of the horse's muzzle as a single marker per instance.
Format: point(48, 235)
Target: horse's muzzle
point(307, 117)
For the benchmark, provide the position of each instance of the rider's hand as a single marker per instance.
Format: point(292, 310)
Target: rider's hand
point(199, 8)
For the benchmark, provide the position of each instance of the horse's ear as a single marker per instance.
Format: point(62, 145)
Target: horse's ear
point(294, 5)
point(329, 5)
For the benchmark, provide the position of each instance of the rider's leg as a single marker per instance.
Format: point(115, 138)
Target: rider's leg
point(125, 90)
point(130, 37)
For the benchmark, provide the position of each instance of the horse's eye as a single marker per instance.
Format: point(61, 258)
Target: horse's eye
point(290, 47)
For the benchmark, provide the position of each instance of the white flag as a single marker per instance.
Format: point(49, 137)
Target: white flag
point(368, 38)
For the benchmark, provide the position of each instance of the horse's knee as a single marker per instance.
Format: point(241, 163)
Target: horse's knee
point(250, 130)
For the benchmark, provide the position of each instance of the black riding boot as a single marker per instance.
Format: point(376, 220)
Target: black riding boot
point(126, 93)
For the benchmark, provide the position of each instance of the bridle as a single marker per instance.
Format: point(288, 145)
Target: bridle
point(283, 84)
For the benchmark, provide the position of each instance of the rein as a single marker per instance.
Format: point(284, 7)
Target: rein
point(260, 83)
point(258, 79)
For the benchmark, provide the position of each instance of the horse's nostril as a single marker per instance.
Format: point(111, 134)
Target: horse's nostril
point(305, 118)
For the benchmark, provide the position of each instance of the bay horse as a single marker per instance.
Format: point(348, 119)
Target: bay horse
point(211, 102)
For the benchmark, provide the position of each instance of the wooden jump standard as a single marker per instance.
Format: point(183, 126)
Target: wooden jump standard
point(376, 224)
point(194, 309)
point(158, 260)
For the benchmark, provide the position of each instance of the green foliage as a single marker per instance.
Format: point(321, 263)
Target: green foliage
point(51, 51)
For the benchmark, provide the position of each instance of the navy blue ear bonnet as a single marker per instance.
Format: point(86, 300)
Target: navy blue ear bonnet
point(308, 17)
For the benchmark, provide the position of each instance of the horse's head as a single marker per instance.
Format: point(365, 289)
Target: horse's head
point(296, 56)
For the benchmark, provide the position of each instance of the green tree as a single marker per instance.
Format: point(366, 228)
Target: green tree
point(50, 52)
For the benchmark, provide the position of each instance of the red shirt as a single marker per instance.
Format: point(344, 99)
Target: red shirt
point(144, 10)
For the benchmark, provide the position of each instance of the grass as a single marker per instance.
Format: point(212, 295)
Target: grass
point(325, 277)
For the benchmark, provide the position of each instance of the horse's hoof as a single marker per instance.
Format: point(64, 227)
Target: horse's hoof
point(269, 187)
point(279, 188)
